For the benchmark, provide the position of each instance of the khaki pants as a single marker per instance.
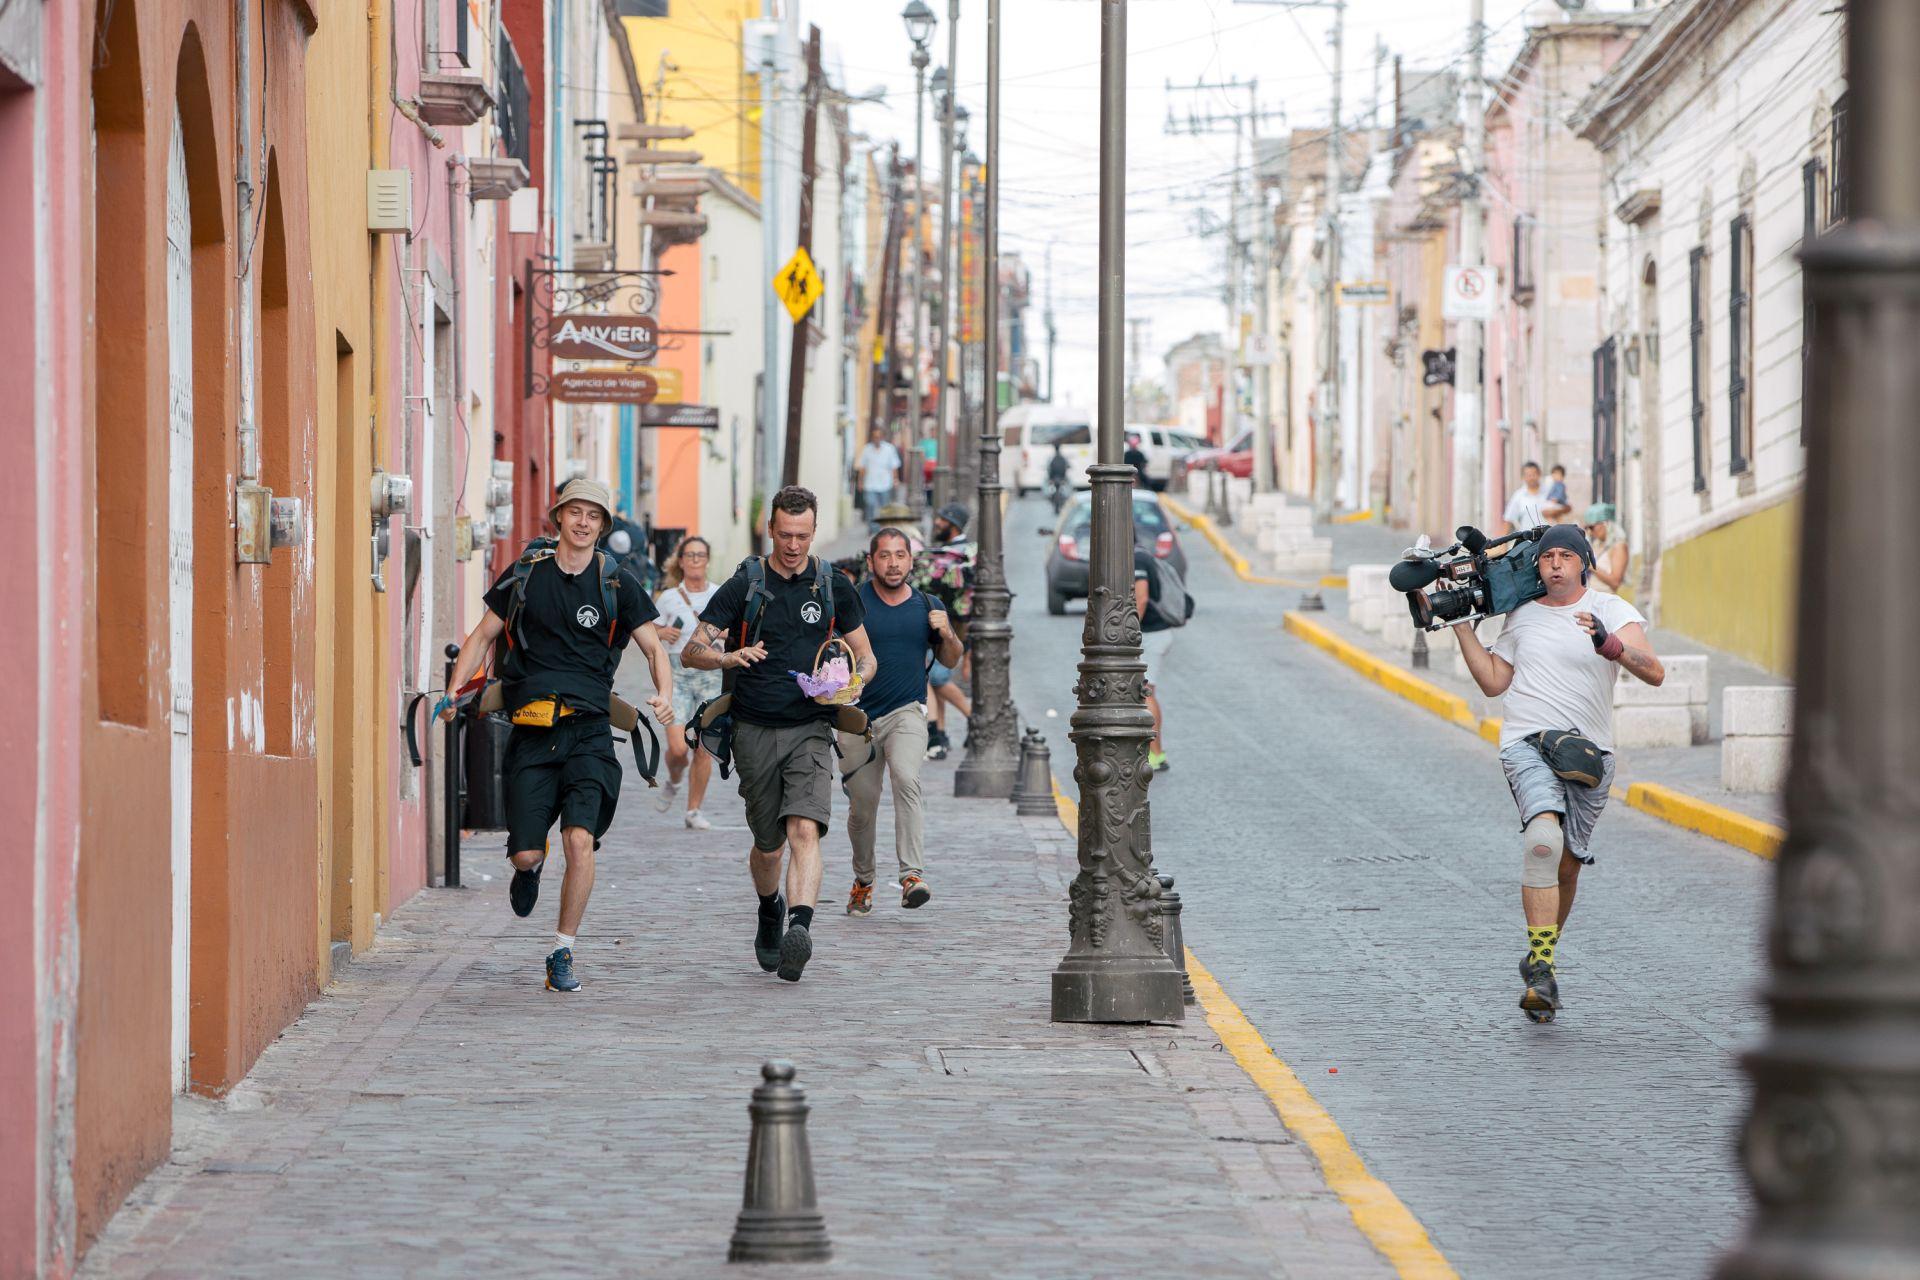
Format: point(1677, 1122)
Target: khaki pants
point(899, 747)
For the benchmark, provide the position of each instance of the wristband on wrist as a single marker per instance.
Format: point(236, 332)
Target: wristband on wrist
point(1612, 647)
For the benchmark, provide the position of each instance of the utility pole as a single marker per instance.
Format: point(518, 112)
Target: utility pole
point(944, 442)
point(1246, 129)
point(886, 320)
point(1469, 412)
point(797, 365)
point(1049, 322)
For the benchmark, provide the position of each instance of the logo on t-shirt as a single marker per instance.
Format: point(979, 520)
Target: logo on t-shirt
point(588, 616)
point(810, 612)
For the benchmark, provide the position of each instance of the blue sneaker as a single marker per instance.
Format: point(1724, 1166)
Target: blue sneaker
point(560, 971)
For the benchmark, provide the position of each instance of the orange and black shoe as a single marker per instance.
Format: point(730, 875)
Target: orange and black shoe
point(560, 971)
point(860, 900)
point(914, 892)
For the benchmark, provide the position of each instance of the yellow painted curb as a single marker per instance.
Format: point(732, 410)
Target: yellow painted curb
point(1337, 581)
point(1356, 517)
point(1712, 820)
point(1380, 1214)
point(1226, 549)
point(1450, 707)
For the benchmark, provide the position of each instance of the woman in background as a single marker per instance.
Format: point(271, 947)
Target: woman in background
point(684, 594)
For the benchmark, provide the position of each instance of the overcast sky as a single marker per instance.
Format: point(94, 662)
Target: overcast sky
point(1050, 52)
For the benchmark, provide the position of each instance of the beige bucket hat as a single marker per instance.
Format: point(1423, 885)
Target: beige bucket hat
point(581, 489)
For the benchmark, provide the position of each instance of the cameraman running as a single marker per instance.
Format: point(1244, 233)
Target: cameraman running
point(1554, 662)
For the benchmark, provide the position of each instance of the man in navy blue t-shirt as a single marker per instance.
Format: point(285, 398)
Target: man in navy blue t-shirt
point(903, 625)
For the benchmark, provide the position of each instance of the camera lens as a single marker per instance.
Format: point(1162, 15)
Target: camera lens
point(1452, 603)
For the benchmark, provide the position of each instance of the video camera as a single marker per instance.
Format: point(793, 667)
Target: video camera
point(1478, 584)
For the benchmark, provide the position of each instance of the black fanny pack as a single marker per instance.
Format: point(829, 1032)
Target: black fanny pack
point(1571, 755)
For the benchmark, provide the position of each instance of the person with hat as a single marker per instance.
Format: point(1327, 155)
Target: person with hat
point(565, 610)
point(1554, 662)
point(1609, 544)
point(945, 572)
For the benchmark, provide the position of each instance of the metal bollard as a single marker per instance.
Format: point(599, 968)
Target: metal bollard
point(779, 1218)
point(1020, 769)
point(1422, 659)
point(1310, 602)
point(450, 807)
point(1175, 936)
point(1035, 783)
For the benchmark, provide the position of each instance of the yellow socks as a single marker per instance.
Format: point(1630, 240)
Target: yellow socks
point(1541, 941)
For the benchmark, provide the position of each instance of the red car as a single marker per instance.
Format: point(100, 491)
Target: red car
point(1236, 459)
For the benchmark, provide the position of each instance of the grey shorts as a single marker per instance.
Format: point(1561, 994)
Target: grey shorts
point(691, 687)
point(1537, 789)
point(785, 771)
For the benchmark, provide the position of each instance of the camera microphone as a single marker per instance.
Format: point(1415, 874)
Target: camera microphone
point(1471, 538)
point(1413, 575)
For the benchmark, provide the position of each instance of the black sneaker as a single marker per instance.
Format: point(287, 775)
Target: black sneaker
point(936, 743)
point(1541, 999)
point(795, 950)
point(525, 889)
point(766, 939)
point(560, 971)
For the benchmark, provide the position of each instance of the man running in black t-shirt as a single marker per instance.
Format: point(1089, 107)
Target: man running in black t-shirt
point(782, 739)
point(557, 683)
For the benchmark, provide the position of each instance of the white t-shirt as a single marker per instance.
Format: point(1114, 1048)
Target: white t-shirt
point(683, 612)
point(1559, 681)
point(1523, 508)
point(878, 465)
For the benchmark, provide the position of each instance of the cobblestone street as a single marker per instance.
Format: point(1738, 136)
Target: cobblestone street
point(480, 1125)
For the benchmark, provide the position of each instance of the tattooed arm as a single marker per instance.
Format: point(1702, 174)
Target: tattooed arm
point(864, 663)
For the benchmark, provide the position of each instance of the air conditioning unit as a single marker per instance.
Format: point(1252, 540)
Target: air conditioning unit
point(389, 201)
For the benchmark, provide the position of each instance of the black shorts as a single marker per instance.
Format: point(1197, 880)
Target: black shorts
point(567, 773)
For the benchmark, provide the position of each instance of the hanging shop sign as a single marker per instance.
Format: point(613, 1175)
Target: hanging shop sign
point(704, 416)
point(611, 386)
point(592, 336)
point(1364, 293)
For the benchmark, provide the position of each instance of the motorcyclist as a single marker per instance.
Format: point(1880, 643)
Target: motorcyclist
point(1057, 484)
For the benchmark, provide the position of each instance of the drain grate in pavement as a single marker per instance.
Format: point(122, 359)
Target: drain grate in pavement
point(1020, 1060)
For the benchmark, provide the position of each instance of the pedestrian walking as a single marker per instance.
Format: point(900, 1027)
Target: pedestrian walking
point(1609, 543)
point(945, 572)
point(1153, 652)
point(680, 601)
point(908, 630)
point(565, 611)
point(1136, 457)
point(879, 467)
point(1554, 663)
point(1524, 507)
point(776, 613)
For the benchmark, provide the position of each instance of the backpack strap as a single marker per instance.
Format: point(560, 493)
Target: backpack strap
point(610, 593)
point(823, 585)
point(536, 551)
point(755, 604)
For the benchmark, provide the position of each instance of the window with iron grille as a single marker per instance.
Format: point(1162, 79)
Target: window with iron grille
point(1606, 419)
point(1740, 346)
point(515, 110)
point(1837, 194)
point(1523, 237)
point(1697, 342)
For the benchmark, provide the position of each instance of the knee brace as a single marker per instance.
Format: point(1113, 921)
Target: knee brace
point(1541, 844)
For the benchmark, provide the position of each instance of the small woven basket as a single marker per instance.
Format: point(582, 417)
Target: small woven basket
point(821, 657)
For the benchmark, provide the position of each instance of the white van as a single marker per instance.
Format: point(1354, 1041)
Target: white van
point(1028, 433)
point(1162, 445)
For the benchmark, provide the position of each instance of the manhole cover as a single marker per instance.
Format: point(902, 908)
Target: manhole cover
point(1022, 1061)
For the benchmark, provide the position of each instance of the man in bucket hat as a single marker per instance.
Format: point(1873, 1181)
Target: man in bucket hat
point(565, 609)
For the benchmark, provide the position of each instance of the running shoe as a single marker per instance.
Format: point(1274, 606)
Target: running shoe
point(936, 743)
point(525, 889)
point(796, 948)
point(664, 801)
point(1541, 999)
point(696, 821)
point(860, 901)
point(914, 892)
point(1157, 761)
point(766, 939)
point(560, 971)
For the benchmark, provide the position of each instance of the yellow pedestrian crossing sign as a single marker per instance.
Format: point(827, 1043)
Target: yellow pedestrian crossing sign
point(798, 285)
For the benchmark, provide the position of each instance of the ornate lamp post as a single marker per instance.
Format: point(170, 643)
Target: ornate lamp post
point(1116, 968)
point(993, 749)
point(920, 23)
point(944, 445)
point(963, 481)
point(1832, 1144)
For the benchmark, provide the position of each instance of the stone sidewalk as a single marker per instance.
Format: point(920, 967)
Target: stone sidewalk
point(436, 1112)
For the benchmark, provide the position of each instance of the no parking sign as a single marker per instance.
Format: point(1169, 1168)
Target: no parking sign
point(1468, 294)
